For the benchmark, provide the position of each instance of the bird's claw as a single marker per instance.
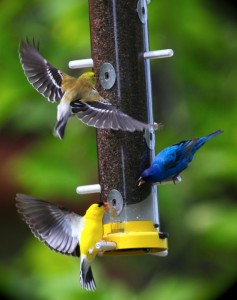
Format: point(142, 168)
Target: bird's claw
point(91, 250)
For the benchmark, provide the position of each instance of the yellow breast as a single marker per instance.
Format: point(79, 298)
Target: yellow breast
point(90, 235)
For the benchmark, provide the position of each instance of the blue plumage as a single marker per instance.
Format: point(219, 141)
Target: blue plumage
point(171, 161)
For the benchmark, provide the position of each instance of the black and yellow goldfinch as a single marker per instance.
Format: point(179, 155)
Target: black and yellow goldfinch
point(75, 95)
point(65, 231)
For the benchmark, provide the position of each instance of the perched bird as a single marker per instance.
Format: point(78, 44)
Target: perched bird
point(75, 95)
point(65, 231)
point(171, 161)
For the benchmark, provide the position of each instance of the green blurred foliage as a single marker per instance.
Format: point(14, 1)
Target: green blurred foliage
point(194, 93)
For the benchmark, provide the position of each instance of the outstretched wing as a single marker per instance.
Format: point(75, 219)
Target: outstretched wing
point(56, 226)
point(43, 76)
point(104, 115)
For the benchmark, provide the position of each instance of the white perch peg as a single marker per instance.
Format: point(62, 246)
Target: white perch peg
point(81, 63)
point(105, 246)
point(158, 54)
point(88, 189)
point(175, 180)
point(161, 253)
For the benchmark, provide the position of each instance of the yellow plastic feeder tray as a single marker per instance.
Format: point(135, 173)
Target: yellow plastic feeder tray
point(132, 229)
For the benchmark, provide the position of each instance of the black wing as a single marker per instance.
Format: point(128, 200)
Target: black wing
point(57, 227)
point(44, 77)
point(185, 149)
point(105, 115)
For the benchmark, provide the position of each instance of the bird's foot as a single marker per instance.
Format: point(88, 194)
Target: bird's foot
point(91, 250)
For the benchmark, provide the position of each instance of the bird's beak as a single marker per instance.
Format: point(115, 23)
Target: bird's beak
point(140, 181)
point(106, 205)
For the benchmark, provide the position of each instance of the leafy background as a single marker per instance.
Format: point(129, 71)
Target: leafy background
point(194, 93)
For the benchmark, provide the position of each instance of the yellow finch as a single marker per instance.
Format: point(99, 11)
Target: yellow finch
point(65, 231)
point(76, 95)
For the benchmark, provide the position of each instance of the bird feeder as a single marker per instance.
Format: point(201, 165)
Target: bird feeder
point(121, 62)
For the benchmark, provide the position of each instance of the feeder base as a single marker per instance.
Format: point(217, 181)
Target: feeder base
point(134, 237)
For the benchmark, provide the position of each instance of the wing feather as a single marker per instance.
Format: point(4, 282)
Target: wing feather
point(43, 76)
point(56, 226)
point(104, 115)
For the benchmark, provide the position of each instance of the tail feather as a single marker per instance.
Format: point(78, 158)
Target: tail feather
point(86, 277)
point(201, 141)
point(213, 134)
point(63, 114)
point(59, 129)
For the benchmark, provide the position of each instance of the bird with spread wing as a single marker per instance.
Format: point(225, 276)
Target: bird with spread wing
point(65, 231)
point(75, 95)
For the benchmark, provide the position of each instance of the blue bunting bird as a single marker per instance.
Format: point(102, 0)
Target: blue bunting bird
point(66, 232)
point(171, 161)
point(76, 96)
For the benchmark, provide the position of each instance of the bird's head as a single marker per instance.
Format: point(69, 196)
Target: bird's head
point(150, 175)
point(97, 210)
point(89, 77)
point(143, 178)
